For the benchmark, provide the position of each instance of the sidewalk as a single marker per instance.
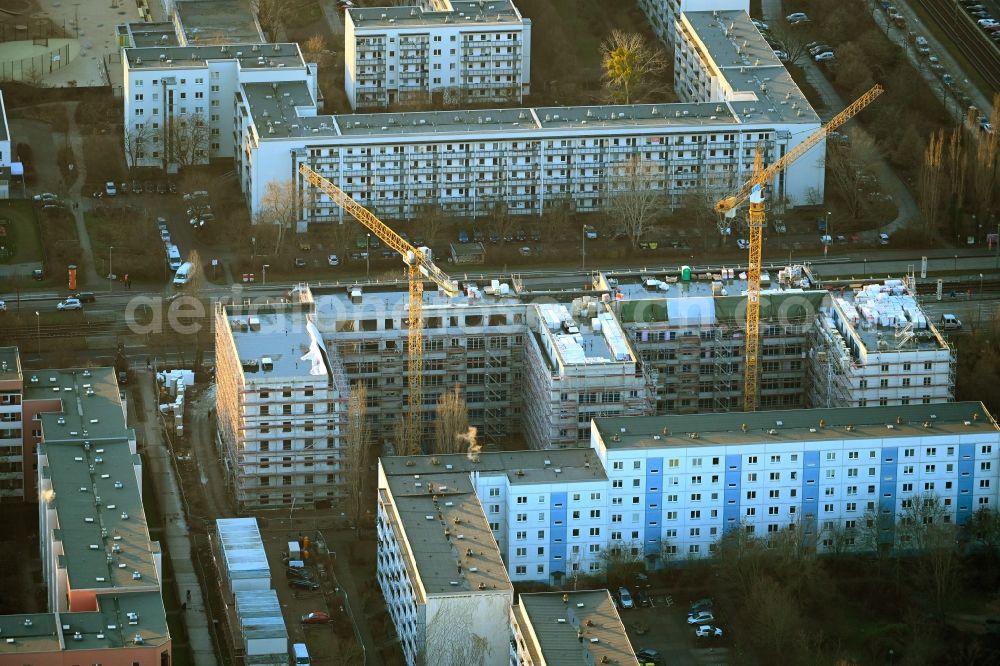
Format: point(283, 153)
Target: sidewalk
point(178, 544)
point(86, 268)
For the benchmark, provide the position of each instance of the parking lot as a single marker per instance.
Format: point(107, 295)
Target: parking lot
point(663, 627)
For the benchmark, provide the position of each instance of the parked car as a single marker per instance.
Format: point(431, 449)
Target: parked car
point(45, 196)
point(536, 235)
point(110, 189)
point(136, 187)
point(825, 239)
point(644, 599)
point(743, 244)
point(70, 304)
point(760, 25)
point(701, 617)
point(477, 235)
point(85, 297)
point(824, 57)
point(316, 617)
point(948, 79)
point(883, 239)
point(796, 18)
point(300, 573)
point(3, 306)
point(782, 56)
point(626, 598)
point(198, 194)
point(700, 605)
point(950, 322)
point(463, 236)
point(648, 656)
point(819, 48)
point(708, 631)
point(589, 232)
point(300, 262)
point(333, 260)
point(303, 584)
point(494, 236)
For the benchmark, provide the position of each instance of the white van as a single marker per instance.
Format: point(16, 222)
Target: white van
point(183, 275)
point(173, 257)
point(301, 654)
point(950, 322)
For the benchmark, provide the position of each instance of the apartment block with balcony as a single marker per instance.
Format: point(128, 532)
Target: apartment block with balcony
point(281, 400)
point(178, 100)
point(669, 487)
point(521, 161)
point(436, 52)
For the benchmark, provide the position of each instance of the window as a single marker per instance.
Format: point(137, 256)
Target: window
point(494, 492)
point(522, 517)
point(520, 570)
point(522, 500)
point(522, 552)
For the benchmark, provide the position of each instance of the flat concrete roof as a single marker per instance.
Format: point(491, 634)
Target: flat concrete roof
point(521, 467)
point(10, 364)
point(583, 629)
point(741, 56)
point(91, 403)
point(102, 524)
point(30, 632)
point(462, 14)
point(175, 57)
point(281, 344)
point(274, 107)
point(449, 537)
point(798, 425)
point(217, 22)
point(143, 35)
point(874, 312)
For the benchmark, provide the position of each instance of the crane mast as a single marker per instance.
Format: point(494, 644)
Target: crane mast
point(753, 190)
point(419, 266)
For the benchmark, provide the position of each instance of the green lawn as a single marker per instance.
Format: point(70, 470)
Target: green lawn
point(19, 242)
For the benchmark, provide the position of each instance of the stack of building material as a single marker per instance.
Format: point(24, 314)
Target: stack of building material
point(262, 627)
point(243, 554)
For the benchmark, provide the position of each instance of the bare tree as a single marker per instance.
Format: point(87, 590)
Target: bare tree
point(185, 139)
point(984, 528)
point(985, 170)
point(501, 220)
point(871, 528)
point(848, 167)
point(620, 558)
point(138, 137)
point(632, 67)
point(957, 163)
point(314, 49)
point(635, 197)
point(925, 529)
point(775, 618)
point(451, 425)
point(792, 40)
point(279, 208)
point(357, 449)
point(431, 220)
point(932, 180)
point(271, 14)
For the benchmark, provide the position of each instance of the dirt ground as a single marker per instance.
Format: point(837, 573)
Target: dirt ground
point(19, 552)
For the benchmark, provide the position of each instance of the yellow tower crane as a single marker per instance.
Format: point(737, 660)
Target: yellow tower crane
point(753, 190)
point(420, 266)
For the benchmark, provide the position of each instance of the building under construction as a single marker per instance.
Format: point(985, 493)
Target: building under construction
point(540, 359)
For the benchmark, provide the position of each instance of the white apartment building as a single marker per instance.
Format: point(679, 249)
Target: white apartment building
point(669, 487)
point(178, 106)
point(280, 402)
point(664, 14)
point(436, 51)
point(522, 160)
point(440, 572)
point(578, 627)
point(720, 56)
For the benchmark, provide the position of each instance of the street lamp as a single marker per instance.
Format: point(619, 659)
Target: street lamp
point(110, 272)
point(368, 256)
point(253, 252)
point(583, 247)
point(38, 331)
point(980, 285)
point(265, 267)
